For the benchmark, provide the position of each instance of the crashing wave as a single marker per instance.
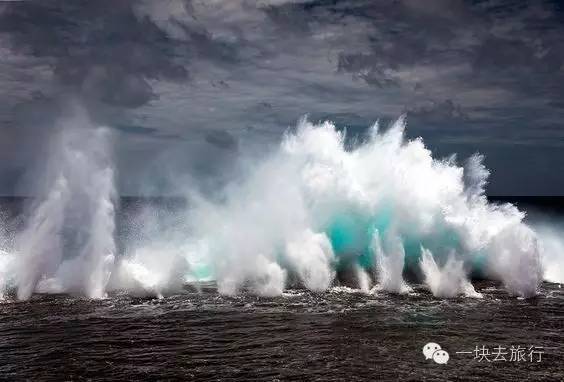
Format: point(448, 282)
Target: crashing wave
point(303, 215)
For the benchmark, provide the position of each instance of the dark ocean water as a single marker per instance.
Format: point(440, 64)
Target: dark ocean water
point(339, 335)
point(333, 336)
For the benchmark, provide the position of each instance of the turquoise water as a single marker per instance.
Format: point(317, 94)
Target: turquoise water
point(351, 234)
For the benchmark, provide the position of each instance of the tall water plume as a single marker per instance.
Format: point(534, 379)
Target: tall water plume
point(68, 243)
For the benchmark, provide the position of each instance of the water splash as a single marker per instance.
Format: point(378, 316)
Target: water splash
point(450, 280)
point(314, 207)
point(68, 241)
point(385, 187)
point(551, 238)
point(6, 272)
point(363, 279)
point(390, 264)
point(311, 257)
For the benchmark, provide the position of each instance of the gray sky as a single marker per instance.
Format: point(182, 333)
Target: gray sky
point(188, 86)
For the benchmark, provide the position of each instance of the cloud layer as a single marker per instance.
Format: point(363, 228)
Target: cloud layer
point(189, 85)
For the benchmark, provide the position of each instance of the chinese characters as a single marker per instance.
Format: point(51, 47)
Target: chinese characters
point(506, 354)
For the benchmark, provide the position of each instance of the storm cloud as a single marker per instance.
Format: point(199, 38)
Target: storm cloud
point(189, 84)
